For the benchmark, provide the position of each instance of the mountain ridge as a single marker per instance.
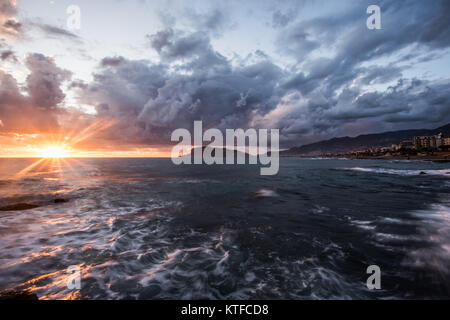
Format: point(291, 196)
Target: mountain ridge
point(364, 141)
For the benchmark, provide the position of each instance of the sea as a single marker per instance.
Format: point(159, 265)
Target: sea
point(148, 229)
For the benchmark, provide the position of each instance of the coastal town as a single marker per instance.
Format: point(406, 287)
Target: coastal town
point(435, 147)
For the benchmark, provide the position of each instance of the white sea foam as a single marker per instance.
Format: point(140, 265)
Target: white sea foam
point(365, 225)
point(265, 193)
point(439, 172)
point(435, 231)
point(320, 209)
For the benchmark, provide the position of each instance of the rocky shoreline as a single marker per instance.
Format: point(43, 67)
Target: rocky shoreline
point(418, 158)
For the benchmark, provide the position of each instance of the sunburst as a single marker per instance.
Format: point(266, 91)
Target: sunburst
point(59, 150)
point(53, 152)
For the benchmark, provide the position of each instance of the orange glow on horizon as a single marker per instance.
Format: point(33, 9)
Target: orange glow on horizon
point(53, 152)
point(82, 141)
point(78, 142)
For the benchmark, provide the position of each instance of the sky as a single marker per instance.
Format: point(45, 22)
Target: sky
point(134, 71)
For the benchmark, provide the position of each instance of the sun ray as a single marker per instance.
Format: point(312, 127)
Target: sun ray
point(67, 164)
point(91, 130)
point(53, 152)
point(31, 167)
point(80, 163)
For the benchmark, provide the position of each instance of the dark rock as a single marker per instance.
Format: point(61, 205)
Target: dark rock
point(149, 292)
point(18, 295)
point(422, 173)
point(19, 207)
point(60, 201)
point(128, 286)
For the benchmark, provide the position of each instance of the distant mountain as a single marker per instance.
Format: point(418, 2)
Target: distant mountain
point(348, 144)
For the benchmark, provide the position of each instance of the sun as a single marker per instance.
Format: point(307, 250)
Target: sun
point(53, 152)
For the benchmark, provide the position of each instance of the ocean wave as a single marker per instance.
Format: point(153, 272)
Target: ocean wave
point(191, 181)
point(435, 232)
point(265, 193)
point(437, 172)
point(320, 209)
point(365, 225)
point(135, 237)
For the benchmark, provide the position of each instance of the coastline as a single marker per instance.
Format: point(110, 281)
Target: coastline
point(434, 158)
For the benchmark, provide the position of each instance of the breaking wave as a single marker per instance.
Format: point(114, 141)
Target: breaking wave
point(404, 172)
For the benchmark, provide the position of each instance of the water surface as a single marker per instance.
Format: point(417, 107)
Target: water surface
point(146, 229)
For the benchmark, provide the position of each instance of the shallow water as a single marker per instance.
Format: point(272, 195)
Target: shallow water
point(146, 229)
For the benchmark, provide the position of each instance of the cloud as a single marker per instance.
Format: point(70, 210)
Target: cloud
point(44, 81)
point(54, 31)
point(340, 78)
point(281, 19)
point(214, 21)
point(411, 103)
point(320, 97)
point(8, 55)
point(37, 110)
point(112, 61)
point(335, 91)
point(172, 45)
point(213, 18)
point(10, 28)
point(192, 82)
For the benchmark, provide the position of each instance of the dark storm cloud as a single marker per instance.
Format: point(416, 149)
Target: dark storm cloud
point(151, 100)
point(44, 81)
point(217, 97)
point(37, 110)
point(417, 25)
point(408, 104)
point(423, 101)
point(320, 97)
point(160, 39)
point(404, 23)
point(173, 45)
point(112, 61)
point(120, 93)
